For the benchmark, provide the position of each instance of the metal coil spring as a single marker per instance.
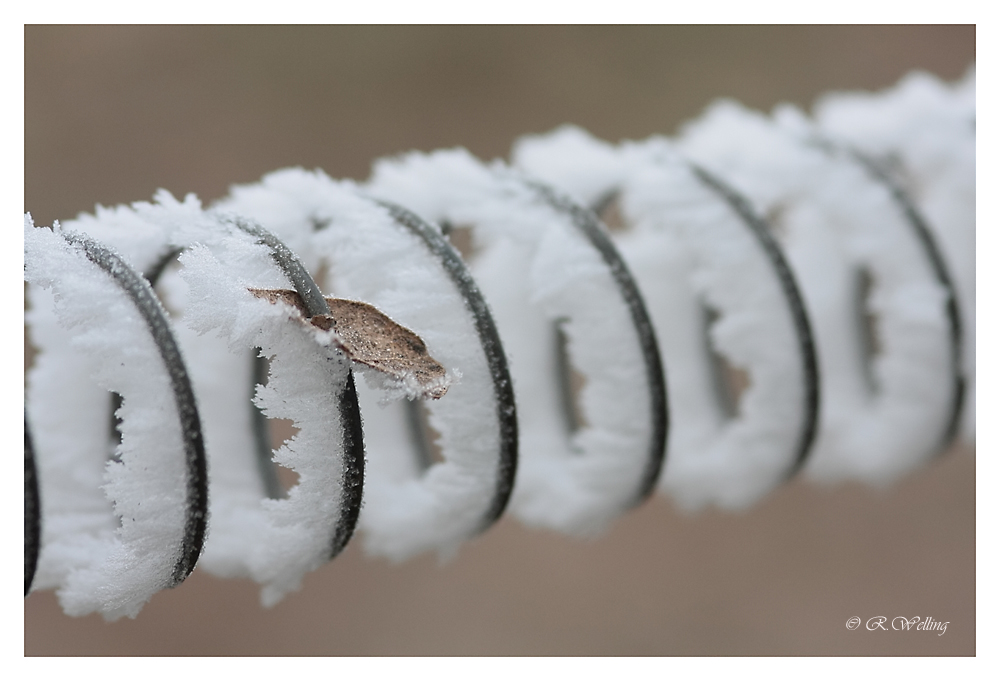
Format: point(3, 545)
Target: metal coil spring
point(588, 221)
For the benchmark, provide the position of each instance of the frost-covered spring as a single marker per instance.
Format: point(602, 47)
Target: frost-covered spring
point(879, 314)
point(923, 132)
point(120, 521)
point(542, 276)
point(369, 255)
point(879, 306)
point(695, 256)
point(275, 541)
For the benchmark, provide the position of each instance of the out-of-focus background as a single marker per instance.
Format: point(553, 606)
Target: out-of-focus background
point(114, 113)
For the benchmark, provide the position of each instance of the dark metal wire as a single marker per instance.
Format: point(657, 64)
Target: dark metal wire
point(354, 470)
point(32, 511)
point(305, 285)
point(572, 420)
point(416, 424)
point(157, 269)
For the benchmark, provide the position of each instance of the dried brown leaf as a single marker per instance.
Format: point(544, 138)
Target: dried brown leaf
point(369, 337)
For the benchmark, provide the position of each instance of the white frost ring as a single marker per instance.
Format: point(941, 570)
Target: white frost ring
point(589, 225)
point(796, 307)
point(196, 474)
point(928, 244)
point(350, 412)
point(489, 338)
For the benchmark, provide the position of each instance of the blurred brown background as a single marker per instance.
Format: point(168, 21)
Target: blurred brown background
point(113, 113)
